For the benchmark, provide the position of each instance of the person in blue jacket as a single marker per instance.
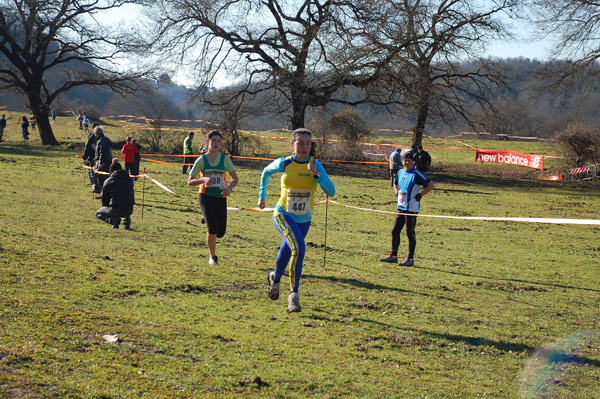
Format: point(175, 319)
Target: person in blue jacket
point(301, 173)
point(409, 195)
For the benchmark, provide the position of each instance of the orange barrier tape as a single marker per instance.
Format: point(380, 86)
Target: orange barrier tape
point(362, 162)
point(161, 162)
point(257, 158)
point(196, 156)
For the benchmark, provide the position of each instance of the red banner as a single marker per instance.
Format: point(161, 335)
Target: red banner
point(510, 158)
point(555, 177)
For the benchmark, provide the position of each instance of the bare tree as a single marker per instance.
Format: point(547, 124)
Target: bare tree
point(37, 36)
point(437, 72)
point(229, 114)
point(574, 26)
point(159, 111)
point(304, 51)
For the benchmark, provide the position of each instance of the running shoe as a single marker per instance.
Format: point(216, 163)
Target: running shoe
point(389, 259)
point(408, 262)
point(294, 302)
point(213, 260)
point(273, 286)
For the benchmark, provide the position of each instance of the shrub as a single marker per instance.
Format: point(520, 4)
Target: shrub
point(351, 129)
point(238, 144)
point(319, 126)
point(579, 145)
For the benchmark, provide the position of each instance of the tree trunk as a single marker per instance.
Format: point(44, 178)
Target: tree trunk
point(420, 123)
point(40, 111)
point(299, 113)
point(45, 129)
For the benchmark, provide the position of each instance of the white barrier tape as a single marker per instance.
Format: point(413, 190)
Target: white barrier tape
point(251, 209)
point(499, 219)
point(159, 184)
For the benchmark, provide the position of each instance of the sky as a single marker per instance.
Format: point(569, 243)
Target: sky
point(524, 46)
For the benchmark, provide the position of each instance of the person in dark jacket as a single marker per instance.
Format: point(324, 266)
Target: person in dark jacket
point(423, 160)
point(25, 128)
point(2, 126)
point(88, 155)
point(103, 157)
point(138, 158)
point(117, 198)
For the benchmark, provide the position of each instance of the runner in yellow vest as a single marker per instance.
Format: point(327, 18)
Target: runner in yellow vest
point(301, 174)
point(188, 149)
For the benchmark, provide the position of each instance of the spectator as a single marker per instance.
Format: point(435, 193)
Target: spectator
point(188, 150)
point(129, 152)
point(117, 198)
point(103, 157)
point(407, 189)
point(395, 161)
point(136, 165)
point(2, 127)
point(80, 120)
point(412, 154)
point(24, 128)
point(86, 122)
point(88, 155)
point(423, 160)
point(54, 114)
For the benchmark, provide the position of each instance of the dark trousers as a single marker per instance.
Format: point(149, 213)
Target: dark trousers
point(411, 223)
point(393, 174)
point(130, 168)
point(186, 160)
point(91, 172)
point(101, 178)
point(135, 169)
point(111, 215)
point(214, 210)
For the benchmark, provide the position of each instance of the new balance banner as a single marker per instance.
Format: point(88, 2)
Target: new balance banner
point(510, 158)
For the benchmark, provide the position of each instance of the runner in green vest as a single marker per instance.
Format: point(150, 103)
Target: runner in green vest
point(210, 173)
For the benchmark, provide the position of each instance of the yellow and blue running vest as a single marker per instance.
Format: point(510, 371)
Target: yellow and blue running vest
point(298, 188)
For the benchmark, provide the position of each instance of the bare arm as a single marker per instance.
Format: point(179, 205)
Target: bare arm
point(227, 190)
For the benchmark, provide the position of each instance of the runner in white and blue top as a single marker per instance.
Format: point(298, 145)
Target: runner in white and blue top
point(407, 187)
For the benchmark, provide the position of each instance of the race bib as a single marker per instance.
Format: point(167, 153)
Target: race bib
point(298, 202)
point(402, 199)
point(218, 176)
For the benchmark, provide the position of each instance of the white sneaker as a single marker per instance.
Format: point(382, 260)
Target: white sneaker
point(273, 286)
point(213, 260)
point(294, 302)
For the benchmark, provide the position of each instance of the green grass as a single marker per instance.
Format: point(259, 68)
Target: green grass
point(495, 309)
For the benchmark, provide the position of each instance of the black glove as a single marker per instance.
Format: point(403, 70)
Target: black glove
point(418, 197)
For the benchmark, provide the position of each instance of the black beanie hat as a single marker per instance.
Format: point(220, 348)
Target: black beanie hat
point(114, 167)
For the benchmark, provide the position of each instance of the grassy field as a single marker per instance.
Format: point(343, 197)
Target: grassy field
point(491, 309)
